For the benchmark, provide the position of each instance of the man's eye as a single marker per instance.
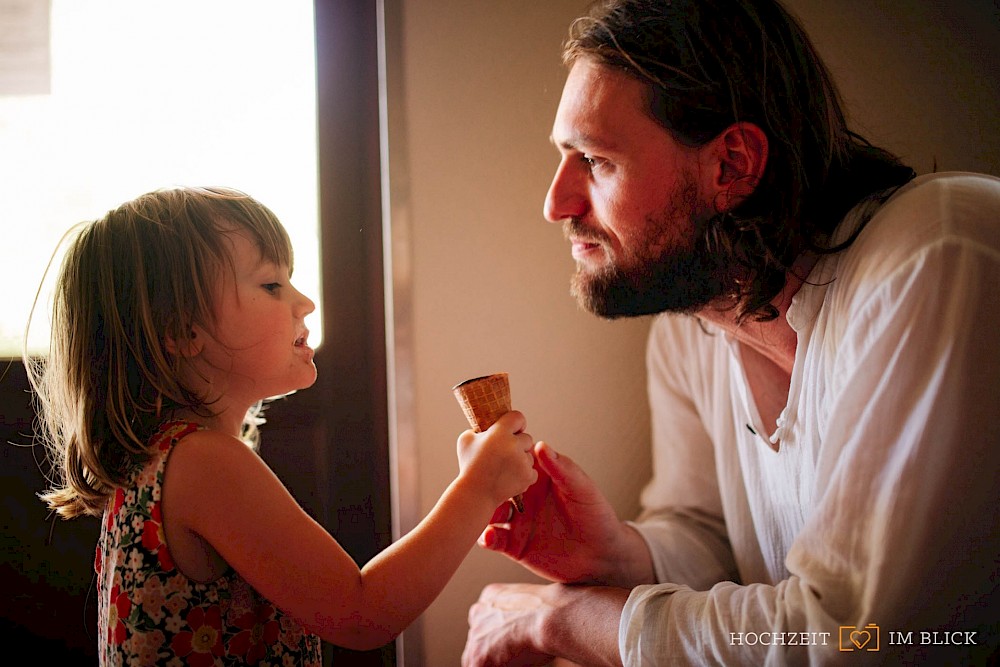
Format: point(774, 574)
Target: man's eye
point(271, 287)
point(593, 163)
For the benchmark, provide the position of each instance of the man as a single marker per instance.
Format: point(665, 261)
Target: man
point(822, 382)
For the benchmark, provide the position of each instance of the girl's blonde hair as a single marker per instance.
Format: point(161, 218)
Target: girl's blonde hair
point(143, 273)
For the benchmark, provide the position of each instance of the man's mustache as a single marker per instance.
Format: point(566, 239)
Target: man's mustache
point(575, 230)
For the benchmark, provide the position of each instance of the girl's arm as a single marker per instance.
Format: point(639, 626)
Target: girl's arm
point(219, 490)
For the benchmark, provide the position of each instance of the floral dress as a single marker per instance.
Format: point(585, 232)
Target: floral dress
point(149, 613)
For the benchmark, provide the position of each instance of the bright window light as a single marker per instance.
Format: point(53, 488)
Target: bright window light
point(148, 94)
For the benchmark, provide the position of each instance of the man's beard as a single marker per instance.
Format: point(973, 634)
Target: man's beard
point(683, 276)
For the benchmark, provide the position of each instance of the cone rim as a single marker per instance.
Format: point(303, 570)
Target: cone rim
point(477, 379)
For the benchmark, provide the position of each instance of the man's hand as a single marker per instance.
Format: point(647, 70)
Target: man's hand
point(526, 625)
point(504, 627)
point(569, 533)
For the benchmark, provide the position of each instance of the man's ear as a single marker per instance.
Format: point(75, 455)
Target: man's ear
point(739, 156)
point(188, 346)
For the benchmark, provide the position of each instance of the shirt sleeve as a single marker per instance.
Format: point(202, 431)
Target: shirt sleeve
point(682, 519)
point(903, 536)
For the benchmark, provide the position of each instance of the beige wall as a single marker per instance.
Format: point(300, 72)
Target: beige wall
point(482, 279)
point(490, 276)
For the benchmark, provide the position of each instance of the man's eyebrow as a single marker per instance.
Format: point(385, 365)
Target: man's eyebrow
point(579, 141)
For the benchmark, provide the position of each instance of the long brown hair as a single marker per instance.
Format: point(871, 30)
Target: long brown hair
point(142, 273)
point(709, 64)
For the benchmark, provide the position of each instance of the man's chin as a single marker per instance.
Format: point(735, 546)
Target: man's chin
point(604, 300)
point(615, 311)
point(613, 297)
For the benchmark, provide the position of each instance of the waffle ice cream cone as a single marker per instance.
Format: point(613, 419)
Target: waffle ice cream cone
point(484, 400)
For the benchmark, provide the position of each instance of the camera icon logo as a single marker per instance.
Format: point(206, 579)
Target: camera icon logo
point(853, 638)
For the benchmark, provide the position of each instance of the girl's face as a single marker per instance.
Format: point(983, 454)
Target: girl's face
point(257, 346)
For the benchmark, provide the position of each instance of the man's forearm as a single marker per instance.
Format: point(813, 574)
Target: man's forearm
point(582, 623)
point(627, 562)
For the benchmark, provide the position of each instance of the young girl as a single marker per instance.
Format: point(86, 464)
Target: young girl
point(173, 319)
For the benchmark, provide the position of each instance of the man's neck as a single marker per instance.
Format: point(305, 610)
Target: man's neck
point(775, 340)
point(768, 348)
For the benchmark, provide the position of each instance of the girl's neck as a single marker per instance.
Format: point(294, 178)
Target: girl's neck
point(224, 412)
point(224, 422)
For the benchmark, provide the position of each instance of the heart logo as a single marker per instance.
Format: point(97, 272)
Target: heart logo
point(860, 638)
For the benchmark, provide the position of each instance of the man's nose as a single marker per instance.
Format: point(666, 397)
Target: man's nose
point(566, 197)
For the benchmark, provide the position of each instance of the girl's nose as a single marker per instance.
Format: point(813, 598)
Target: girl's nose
point(305, 304)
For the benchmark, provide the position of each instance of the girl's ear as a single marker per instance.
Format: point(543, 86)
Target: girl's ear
point(738, 156)
point(189, 346)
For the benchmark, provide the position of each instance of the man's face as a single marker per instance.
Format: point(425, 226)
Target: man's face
point(630, 200)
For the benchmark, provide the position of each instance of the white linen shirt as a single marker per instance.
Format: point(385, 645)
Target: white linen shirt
point(880, 504)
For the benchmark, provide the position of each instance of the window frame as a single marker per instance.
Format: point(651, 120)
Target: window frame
point(330, 444)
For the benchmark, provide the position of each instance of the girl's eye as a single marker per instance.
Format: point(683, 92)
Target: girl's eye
point(271, 287)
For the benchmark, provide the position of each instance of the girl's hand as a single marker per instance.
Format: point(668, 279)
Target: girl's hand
point(498, 462)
